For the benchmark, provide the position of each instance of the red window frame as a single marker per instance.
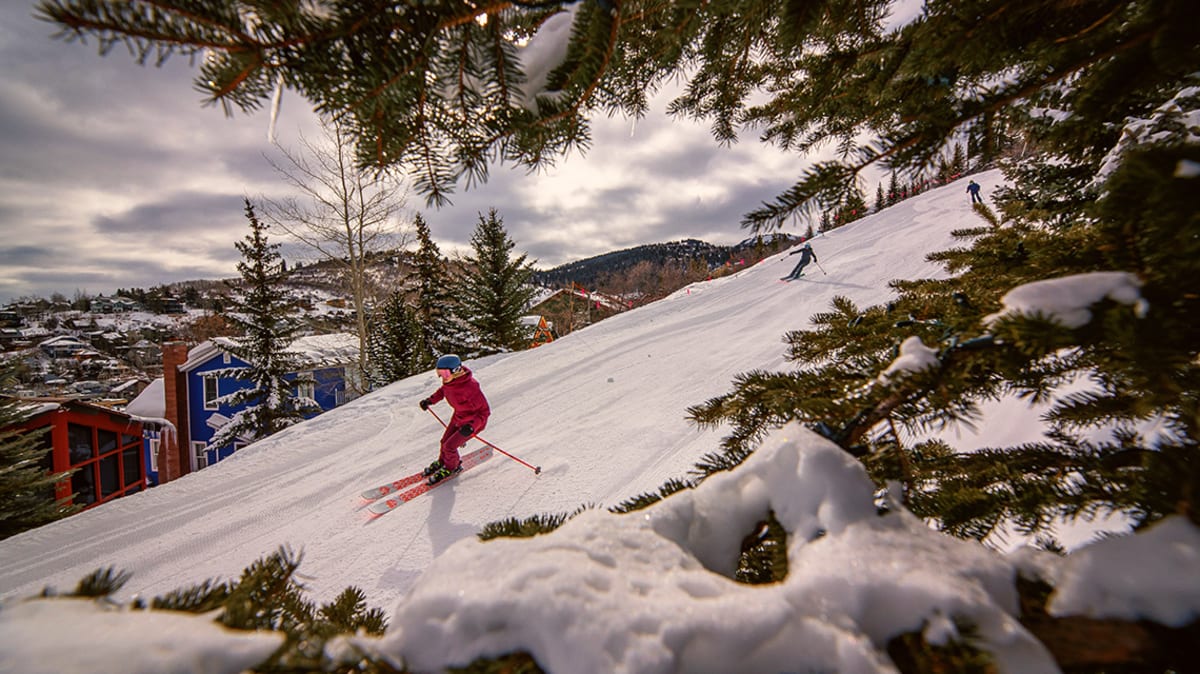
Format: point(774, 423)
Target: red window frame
point(119, 470)
point(107, 462)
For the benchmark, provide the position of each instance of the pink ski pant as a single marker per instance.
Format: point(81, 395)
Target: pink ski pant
point(452, 441)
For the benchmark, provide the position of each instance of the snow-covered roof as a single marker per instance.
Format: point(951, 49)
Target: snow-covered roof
point(32, 408)
point(314, 350)
point(201, 353)
point(607, 301)
point(67, 340)
point(335, 349)
point(151, 402)
point(216, 421)
point(120, 388)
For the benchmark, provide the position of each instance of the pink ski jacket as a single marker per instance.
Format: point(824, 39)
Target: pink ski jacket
point(465, 396)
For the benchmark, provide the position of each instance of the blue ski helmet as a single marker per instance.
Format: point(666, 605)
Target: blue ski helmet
point(449, 362)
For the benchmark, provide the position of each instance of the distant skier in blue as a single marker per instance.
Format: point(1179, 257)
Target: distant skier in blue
point(973, 188)
point(806, 255)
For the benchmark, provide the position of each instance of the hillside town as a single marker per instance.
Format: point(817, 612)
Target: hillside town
point(107, 349)
point(125, 394)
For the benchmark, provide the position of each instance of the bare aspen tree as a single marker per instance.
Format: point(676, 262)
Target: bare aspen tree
point(346, 213)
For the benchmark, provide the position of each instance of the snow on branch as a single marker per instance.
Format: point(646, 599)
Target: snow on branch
point(1067, 300)
point(1180, 112)
point(914, 357)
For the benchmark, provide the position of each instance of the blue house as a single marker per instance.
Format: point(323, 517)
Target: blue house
point(193, 385)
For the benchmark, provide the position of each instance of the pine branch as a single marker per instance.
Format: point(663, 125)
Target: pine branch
point(102, 583)
point(529, 527)
point(202, 598)
point(645, 500)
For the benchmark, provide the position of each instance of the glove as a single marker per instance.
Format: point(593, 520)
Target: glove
point(424, 404)
point(466, 430)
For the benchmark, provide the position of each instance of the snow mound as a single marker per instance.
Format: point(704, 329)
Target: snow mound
point(79, 635)
point(1115, 578)
point(652, 591)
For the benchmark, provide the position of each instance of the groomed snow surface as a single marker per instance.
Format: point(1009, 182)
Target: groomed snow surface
point(602, 411)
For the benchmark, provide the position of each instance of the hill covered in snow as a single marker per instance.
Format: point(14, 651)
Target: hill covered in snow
point(603, 412)
point(591, 271)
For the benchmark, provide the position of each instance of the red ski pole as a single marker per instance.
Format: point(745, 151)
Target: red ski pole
point(537, 470)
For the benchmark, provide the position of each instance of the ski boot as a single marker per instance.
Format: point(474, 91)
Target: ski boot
point(442, 473)
point(433, 468)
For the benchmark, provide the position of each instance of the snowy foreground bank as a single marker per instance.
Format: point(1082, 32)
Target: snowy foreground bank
point(652, 591)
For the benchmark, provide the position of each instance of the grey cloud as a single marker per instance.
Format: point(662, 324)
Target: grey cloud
point(184, 212)
point(69, 115)
point(65, 278)
point(686, 160)
point(726, 214)
point(143, 274)
point(455, 223)
point(43, 150)
point(26, 256)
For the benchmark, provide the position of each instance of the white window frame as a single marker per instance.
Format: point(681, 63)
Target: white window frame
point(352, 383)
point(306, 386)
point(155, 443)
point(198, 454)
point(211, 403)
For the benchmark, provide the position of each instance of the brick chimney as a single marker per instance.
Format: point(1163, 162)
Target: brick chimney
point(173, 457)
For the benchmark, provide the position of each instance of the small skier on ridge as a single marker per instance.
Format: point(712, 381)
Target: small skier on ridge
point(471, 412)
point(973, 190)
point(807, 255)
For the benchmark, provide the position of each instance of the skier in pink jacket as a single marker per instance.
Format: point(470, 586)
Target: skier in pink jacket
point(471, 413)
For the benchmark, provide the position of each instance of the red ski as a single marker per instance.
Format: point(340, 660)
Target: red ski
point(393, 487)
point(387, 505)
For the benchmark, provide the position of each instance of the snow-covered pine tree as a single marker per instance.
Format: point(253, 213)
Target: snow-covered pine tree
point(434, 303)
point(495, 289)
point(26, 486)
point(259, 309)
point(395, 341)
point(1125, 441)
point(958, 162)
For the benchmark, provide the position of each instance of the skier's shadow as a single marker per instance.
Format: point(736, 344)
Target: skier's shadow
point(443, 532)
point(818, 280)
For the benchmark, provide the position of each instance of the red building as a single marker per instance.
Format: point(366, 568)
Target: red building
point(103, 444)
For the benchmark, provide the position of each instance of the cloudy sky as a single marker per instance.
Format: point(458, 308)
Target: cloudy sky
point(114, 175)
